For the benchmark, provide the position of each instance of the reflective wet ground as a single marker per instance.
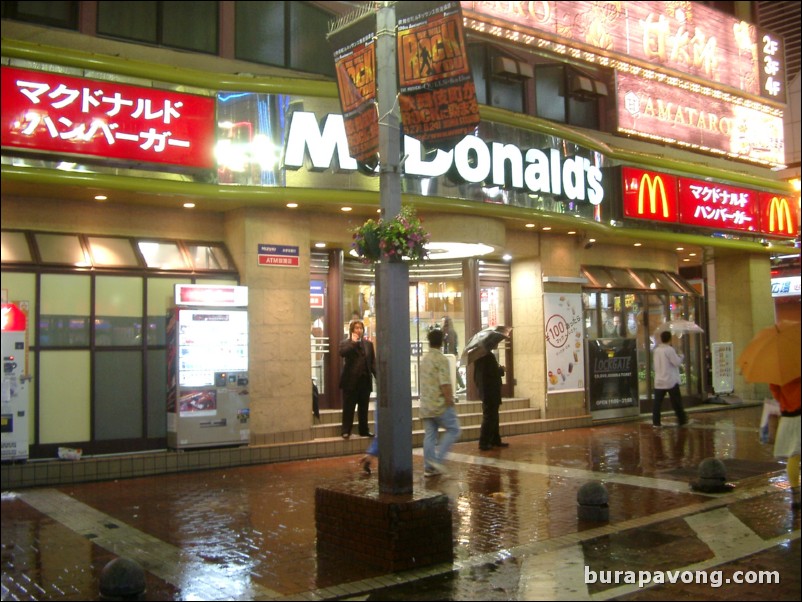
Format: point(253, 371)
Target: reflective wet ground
point(249, 533)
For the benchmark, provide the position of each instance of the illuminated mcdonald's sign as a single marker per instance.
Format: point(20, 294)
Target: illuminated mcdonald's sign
point(778, 216)
point(649, 195)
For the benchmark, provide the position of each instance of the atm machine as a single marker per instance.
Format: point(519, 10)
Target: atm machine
point(207, 367)
point(15, 384)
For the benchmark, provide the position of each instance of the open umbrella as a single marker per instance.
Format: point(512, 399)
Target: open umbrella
point(483, 342)
point(678, 327)
point(772, 356)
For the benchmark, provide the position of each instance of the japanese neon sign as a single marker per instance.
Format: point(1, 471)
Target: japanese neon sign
point(714, 205)
point(57, 113)
point(649, 195)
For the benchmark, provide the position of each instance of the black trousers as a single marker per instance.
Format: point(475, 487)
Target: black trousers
point(676, 403)
point(489, 432)
point(359, 399)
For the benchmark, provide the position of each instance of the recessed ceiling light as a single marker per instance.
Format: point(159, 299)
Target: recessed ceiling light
point(691, 254)
point(637, 244)
point(680, 249)
point(571, 231)
point(507, 257)
point(346, 209)
point(189, 205)
point(101, 197)
point(320, 245)
point(546, 228)
point(292, 205)
point(530, 225)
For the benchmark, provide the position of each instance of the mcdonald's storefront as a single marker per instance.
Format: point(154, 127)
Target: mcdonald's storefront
point(583, 242)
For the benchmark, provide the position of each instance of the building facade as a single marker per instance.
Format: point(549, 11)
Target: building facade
point(578, 212)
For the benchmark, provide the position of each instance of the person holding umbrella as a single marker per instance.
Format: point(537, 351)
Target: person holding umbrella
point(666, 380)
point(787, 439)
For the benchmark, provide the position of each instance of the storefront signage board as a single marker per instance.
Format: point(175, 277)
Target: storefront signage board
point(687, 38)
point(565, 357)
point(613, 374)
point(57, 113)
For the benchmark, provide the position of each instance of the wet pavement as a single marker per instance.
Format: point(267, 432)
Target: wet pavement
point(248, 533)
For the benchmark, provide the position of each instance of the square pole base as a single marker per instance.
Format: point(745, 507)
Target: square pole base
point(356, 523)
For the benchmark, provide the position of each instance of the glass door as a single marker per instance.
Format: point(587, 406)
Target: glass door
point(494, 310)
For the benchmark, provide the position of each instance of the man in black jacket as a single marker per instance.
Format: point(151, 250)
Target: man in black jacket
point(487, 376)
point(356, 379)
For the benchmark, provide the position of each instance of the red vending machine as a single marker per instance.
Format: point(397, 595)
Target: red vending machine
point(207, 367)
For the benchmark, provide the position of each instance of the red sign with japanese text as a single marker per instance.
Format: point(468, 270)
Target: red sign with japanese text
point(779, 215)
point(58, 113)
point(715, 205)
point(649, 195)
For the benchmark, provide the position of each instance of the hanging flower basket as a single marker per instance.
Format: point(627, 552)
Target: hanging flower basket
point(399, 239)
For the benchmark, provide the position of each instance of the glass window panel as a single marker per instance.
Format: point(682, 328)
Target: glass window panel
point(118, 310)
point(476, 57)
point(624, 278)
point(56, 14)
point(64, 395)
point(161, 294)
point(118, 395)
point(129, 20)
point(209, 257)
point(14, 247)
point(162, 255)
point(61, 248)
point(190, 25)
point(116, 252)
point(64, 319)
point(507, 95)
point(308, 29)
point(260, 32)
point(157, 393)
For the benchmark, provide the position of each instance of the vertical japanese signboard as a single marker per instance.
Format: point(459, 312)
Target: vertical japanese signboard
point(565, 357)
point(437, 94)
point(57, 113)
point(355, 64)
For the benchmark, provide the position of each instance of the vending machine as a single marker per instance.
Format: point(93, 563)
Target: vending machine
point(207, 367)
point(15, 384)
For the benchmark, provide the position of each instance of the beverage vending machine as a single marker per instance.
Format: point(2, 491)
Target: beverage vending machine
point(15, 383)
point(207, 367)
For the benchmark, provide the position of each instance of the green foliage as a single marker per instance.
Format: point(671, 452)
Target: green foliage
point(398, 239)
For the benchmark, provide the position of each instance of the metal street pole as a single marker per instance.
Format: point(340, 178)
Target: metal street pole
point(392, 279)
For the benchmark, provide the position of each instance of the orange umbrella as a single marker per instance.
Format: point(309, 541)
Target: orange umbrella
point(772, 356)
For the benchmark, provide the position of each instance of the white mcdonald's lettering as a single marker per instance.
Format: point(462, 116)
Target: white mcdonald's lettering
point(779, 209)
point(497, 164)
point(653, 185)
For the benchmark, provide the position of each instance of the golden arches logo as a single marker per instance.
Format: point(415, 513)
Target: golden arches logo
point(653, 185)
point(780, 216)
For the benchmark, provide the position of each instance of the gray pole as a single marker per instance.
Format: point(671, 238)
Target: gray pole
point(392, 280)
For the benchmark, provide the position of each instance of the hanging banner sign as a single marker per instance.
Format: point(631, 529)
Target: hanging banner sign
point(437, 94)
point(57, 113)
point(355, 64)
point(565, 358)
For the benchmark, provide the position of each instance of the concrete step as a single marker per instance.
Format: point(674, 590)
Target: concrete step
point(470, 413)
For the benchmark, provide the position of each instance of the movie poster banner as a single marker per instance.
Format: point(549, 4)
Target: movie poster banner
point(613, 374)
point(565, 359)
point(437, 94)
point(355, 64)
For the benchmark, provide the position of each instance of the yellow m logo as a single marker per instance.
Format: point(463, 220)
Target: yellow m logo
point(653, 186)
point(780, 216)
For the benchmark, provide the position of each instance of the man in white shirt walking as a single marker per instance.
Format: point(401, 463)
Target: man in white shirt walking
point(666, 363)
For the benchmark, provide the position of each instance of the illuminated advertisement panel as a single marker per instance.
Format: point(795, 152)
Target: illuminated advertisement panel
point(779, 215)
point(649, 195)
point(57, 113)
point(714, 205)
point(686, 37)
point(654, 111)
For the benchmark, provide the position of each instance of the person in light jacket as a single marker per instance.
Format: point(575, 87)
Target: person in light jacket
point(666, 364)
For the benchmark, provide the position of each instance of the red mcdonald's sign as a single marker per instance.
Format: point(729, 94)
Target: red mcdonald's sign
point(649, 195)
point(779, 215)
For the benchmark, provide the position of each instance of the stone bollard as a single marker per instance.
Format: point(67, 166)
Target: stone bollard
point(592, 500)
point(122, 579)
point(712, 477)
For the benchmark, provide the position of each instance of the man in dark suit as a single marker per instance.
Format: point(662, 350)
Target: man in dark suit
point(487, 376)
point(356, 379)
